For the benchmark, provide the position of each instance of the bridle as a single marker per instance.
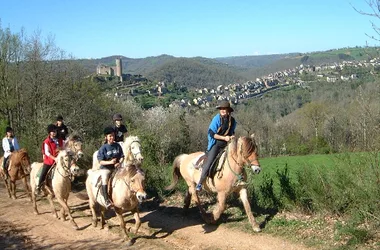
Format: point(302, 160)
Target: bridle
point(134, 154)
point(66, 168)
point(247, 163)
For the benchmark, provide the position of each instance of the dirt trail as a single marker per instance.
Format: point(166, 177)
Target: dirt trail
point(162, 228)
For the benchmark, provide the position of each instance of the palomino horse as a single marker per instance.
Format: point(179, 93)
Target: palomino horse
point(127, 190)
point(19, 168)
point(240, 153)
point(59, 186)
point(132, 152)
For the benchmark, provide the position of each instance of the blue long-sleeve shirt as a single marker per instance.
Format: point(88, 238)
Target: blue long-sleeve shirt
point(216, 126)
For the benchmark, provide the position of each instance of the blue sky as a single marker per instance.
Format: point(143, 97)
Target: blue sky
point(208, 28)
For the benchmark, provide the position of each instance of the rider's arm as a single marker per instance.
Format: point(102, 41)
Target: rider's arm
point(47, 152)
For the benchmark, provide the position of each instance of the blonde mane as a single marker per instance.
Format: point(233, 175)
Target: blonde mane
point(127, 146)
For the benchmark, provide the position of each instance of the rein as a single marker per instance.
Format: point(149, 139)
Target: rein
point(66, 169)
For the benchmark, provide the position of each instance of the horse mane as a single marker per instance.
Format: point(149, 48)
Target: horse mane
point(18, 155)
point(74, 137)
point(243, 146)
point(128, 171)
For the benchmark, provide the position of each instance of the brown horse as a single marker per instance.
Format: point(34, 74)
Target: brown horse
point(59, 186)
point(19, 168)
point(127, 191)
point(240, 153)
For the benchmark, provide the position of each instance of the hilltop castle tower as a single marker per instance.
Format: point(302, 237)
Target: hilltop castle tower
point(112, 71)
point(119, 67)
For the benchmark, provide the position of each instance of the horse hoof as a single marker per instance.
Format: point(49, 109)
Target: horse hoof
point(75, 226)
point(13, 197)
point(129, 243)
point(256, 229)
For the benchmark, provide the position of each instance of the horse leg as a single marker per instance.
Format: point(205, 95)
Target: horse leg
point(119, 213)
point(136, 215)
point(220, 206)
point(34, 200)
point(195, 197)
point(13, 189)
point(26, 186)
point(91, 204)
point(7, 185)
point(53, 211)
point(247, 207)
point(102, 220)
point(187, 201)
point(65, 209)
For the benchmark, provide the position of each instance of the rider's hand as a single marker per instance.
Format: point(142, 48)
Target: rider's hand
point(117, 165)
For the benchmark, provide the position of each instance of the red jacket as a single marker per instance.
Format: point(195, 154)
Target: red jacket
point(53, 149)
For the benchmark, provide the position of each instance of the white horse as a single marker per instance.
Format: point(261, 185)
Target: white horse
point(131, 149)
point(59, 186)
point(128, 189)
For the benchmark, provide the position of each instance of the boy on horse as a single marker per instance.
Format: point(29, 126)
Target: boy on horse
point(121, 130)
point(50, 150)
point(9, 144)
point(110, 156)
point(221, 131)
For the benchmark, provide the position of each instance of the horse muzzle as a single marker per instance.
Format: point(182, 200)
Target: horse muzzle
point(141, 196)
point(80, 154)
point(256, 169)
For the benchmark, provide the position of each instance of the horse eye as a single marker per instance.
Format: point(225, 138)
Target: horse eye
point(132, 180)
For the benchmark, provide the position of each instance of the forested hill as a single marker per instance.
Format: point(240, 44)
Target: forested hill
point(200, 71)
point(197, 72)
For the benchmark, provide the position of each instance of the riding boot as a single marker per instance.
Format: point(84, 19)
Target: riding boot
point(41, 180)
point(5, 168)
point(105, 195)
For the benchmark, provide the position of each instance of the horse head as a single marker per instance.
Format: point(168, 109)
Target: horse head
point(74, 144)
point(134, 178)
point(21, 158)
point(132, 150)
point(246, 151)
point(65, 160)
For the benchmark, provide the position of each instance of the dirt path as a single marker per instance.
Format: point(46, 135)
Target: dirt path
point(163, 227)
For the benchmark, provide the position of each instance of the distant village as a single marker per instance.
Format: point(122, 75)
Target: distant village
point(237, 92)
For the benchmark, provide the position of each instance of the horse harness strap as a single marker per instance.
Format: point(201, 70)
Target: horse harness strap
point(239, 176)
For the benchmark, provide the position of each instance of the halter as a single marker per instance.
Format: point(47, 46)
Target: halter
point(66, 168)
point(128, 183)
point(138, 152)
point(244, 165)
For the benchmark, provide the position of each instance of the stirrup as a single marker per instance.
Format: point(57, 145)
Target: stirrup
point(108, 204)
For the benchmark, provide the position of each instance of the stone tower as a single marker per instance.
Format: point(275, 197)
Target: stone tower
point(119, 67)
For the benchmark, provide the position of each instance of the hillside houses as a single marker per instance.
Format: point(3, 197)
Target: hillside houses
point(236, 92)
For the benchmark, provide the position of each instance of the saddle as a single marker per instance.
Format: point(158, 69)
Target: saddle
point(216, 165)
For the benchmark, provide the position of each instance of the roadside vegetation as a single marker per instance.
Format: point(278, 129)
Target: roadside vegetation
point(318, 144)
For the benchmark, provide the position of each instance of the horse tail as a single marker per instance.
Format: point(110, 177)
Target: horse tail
point(176, 171)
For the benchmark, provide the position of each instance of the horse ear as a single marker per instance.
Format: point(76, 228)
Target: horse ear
point(253, 136)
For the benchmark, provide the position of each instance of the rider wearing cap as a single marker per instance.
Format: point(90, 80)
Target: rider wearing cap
point(221, 131)
point(110, 156)
point(50, 150)
point(121, 130)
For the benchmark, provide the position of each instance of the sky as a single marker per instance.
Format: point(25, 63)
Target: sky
point(208, 28)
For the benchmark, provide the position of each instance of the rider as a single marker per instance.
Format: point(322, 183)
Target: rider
point(121, 130)
point(110, 156)
point(62, 130)
point(221, 131)
point(50, 150)
point(10, 144)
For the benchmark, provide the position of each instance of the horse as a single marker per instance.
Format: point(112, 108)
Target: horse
point(131, 149)
point(59, 186)
point(127, 191)
point(240, 153)
point(19, 168)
